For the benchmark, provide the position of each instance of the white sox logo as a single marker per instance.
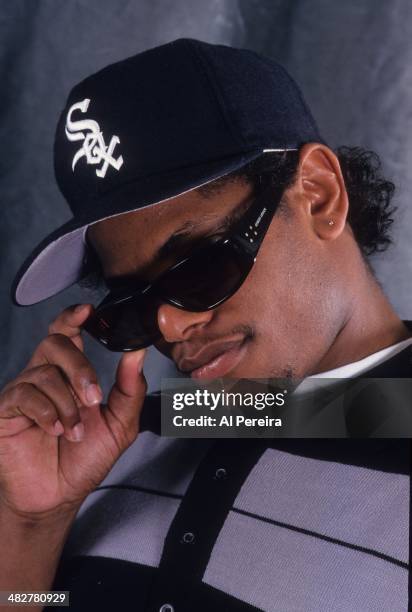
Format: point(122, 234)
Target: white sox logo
point(93, 148)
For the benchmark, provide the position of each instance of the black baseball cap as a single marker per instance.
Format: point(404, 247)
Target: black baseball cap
point(154, 126)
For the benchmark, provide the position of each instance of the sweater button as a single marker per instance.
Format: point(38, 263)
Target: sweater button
point(188, 537)
point(220, 474)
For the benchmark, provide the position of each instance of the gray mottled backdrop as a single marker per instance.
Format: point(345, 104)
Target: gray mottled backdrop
point(353, 60)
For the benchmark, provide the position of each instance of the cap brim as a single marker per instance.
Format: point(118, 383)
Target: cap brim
point(57, 262)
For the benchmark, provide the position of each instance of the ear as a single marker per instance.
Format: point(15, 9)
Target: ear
point(321, 190)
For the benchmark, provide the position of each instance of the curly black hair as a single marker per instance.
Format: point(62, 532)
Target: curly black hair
point(369, 193)
point(370, 211)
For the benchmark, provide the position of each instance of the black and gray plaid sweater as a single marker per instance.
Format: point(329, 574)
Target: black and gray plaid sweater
point(196, 525)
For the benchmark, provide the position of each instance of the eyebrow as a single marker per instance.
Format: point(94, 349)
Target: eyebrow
point(180, 235)
point(178, 239)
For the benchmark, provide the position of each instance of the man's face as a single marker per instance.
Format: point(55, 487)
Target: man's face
point(278, 324)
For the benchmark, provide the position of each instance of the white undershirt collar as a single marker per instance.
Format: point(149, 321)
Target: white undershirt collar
point(353, 369)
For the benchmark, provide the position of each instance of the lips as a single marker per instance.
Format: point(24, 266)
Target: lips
point(215, 359)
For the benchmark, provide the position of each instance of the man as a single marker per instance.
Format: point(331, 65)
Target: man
point(234, 239)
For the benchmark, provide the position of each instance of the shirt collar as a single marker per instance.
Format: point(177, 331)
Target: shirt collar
point(349, 370)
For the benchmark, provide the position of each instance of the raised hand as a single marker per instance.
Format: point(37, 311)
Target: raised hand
point(57, 442)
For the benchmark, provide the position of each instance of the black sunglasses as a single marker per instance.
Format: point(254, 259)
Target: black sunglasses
point(126, 320)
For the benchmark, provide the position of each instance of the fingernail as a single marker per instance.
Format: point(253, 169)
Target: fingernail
point(58, 428)
point(80, 307)
point(141, 360)
point(77, 432)
point(94, 394)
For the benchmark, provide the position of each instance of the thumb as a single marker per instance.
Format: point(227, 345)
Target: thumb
point(126, 397)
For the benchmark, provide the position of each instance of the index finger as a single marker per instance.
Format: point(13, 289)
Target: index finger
point(70, 321)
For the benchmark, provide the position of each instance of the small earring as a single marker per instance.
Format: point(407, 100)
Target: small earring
point(331, 222)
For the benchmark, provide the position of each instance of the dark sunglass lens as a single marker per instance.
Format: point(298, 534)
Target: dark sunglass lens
point(207, 278)
point(127, 325)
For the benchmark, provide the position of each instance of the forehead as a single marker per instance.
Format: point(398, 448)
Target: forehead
point(132, 239)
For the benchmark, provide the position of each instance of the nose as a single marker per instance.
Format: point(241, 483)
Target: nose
point(177, 325)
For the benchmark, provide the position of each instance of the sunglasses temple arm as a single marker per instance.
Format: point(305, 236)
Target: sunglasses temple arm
point(252, 231)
